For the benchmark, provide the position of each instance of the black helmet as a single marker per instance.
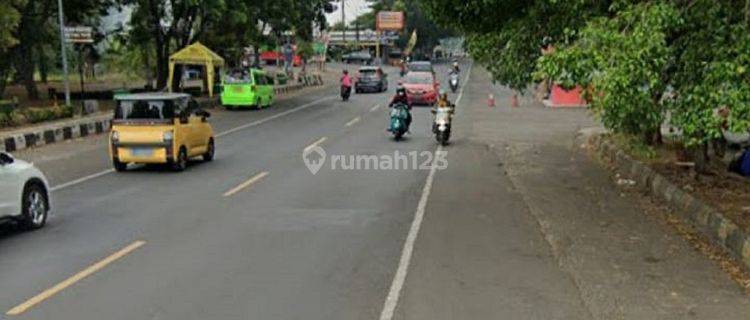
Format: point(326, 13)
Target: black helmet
point(400, 91)
point(346, 71)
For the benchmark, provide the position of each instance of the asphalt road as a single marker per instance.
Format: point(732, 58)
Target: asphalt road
point(292, 245)
point(256, 235)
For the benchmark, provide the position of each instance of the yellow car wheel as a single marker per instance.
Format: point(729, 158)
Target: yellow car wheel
point(119, 166)
point(180, 163)
point(210, 151)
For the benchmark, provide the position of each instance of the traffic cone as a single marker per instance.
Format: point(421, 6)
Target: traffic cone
point(514, 100)
point(491, 100)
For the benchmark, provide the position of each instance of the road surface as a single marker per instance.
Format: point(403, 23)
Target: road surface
point(256, 235)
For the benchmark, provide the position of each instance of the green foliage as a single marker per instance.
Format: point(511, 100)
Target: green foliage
point(715, 76)
point(507, 35)
point(623, 61)
point(305, 50)
point(506, 55)
point(637, 60)
point(9, 19)
point(34, 115)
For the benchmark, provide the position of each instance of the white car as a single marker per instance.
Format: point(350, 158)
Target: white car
point(24, 193)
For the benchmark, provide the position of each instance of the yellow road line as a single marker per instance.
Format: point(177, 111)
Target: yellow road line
point(246, 184)
point(316, 143)
point(46, 294)
point(352, 122)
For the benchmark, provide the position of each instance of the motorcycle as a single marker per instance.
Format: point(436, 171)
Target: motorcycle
point(399, 115)
point(442, 125)
point(345, 92)
point(454, 82)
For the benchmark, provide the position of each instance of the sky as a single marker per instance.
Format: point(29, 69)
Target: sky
point(354, 8)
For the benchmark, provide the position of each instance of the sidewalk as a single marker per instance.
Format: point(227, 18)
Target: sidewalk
point(601, 256)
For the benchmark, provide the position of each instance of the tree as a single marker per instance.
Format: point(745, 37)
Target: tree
point(623, 60)
point(165, 25)
point(9, 20)
point(507, 35)
point(637, 60)
point(37, 28)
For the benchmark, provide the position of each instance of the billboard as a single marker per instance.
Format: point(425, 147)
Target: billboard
point(389, 20)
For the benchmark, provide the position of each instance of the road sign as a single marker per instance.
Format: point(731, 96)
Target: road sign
point(79, 34)
point(389, 20)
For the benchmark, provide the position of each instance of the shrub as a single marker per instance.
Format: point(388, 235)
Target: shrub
point(5, 119)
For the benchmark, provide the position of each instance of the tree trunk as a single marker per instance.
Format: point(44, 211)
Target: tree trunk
point(162, 66)
point(256, 54)
point(149, 71)
point(699, 155)
point(4, 72)
point(161, 45)
point(177, 78)
point(25, 69)
point(653, 137)
point(43, 66)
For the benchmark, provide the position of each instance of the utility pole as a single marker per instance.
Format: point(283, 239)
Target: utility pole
point(356, 31)
point(62, 51)
point(343, 19)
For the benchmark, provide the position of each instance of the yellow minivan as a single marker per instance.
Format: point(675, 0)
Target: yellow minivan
point(152, 128)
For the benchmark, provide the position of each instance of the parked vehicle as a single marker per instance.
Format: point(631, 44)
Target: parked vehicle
point(421, 87)
point(371, 79)
point(153, 128)
point(442, 124)
point(247, 88)
point(454, 81)
point(24, 193)
point(421, 66)
point(359, 57)
point(398, 126)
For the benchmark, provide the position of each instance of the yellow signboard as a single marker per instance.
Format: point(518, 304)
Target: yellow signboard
point(389, 20)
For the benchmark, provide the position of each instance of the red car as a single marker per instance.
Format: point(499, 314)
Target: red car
point(421, 87)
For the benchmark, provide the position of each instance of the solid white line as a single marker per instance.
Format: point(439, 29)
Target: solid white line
point(466, 81)
point(391, 301)
point(242, 127)
point(316, 143)
point(245, 184)
point(352, 122)
point(278, 115)
point(375, 107)
point(81, 180)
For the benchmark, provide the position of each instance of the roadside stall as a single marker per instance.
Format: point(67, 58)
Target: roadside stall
point(197, 54)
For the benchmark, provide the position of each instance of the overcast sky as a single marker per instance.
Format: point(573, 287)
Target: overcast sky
point(354, 8)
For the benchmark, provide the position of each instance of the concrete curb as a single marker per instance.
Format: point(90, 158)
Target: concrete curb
point(702, 216)
point(66, 130)
point(76, 128)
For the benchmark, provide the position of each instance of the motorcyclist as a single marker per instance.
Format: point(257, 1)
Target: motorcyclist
point(455, 69)
point(401, 97)
point(442, 102)
point(346, 83)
